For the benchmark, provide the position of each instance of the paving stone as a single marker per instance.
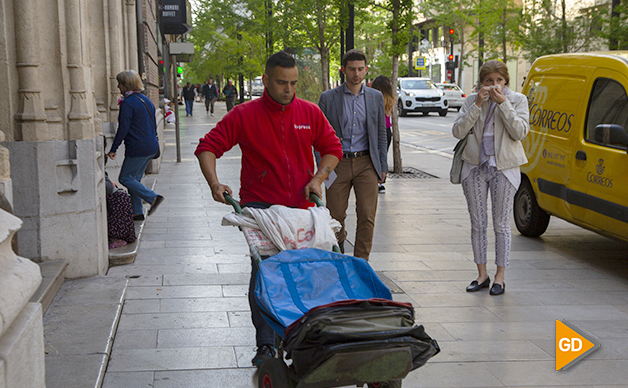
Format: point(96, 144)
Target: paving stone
point(236, 336)
point(135, 360)
point(135, 339)
point(173, 320)
point(129, 379)
point(232, 378)
point(164, 292)
point(204, 304)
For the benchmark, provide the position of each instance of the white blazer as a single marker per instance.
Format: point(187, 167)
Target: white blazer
point(512, 124)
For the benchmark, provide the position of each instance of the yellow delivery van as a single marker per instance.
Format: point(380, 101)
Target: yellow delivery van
point(577, 146)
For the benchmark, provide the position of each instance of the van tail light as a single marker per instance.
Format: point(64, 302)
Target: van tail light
point(463, 95)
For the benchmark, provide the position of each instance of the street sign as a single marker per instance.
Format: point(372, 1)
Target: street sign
point(419, 63)
point(449, 74)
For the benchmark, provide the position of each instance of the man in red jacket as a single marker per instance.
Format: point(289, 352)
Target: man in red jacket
point(276, 134)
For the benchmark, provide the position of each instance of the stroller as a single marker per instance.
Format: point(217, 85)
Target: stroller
point(334, 319)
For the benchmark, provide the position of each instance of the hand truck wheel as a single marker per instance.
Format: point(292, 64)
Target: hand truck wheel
point(273, 373)
point(387, 384)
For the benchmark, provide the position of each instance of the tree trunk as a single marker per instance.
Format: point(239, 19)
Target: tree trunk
point(504, 21)
point(564, 28)
point(397, 166)
point(325, 67)
point(323, 48)
point(460, 60)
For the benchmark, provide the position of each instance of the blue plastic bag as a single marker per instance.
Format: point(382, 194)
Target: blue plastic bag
point(292, 282)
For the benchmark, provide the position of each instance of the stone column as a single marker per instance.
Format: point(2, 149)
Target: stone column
point(31, 114)
point(132, 38)
point(115, 53)
point(80, 123)
point(6, 188)
point(21, 327)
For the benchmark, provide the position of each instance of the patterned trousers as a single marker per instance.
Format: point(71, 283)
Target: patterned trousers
point(476, 187)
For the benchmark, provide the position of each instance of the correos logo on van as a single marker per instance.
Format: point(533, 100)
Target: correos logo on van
point(546, 118)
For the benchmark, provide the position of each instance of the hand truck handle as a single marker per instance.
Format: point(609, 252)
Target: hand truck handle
point(314, 198)
point(232, 202)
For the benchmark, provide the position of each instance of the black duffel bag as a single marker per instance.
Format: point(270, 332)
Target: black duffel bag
point(356, 326)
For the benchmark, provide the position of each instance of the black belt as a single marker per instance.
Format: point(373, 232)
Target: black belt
point(350, 155)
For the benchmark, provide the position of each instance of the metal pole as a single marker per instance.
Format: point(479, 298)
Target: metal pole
point(175, 90)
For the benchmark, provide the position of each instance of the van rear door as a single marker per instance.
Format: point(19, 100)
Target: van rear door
point(599, 181)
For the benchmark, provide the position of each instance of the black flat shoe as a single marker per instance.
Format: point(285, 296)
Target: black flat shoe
point(138, 217)
point(474, 286)
point(498, 289)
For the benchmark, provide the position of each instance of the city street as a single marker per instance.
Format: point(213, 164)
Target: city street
point(429, 132)
point(186, 322)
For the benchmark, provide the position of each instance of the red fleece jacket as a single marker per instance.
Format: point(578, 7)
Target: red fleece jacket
point(276, 143)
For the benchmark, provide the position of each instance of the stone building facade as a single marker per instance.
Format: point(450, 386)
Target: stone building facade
point(58, 65)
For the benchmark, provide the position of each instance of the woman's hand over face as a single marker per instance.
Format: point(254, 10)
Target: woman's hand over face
point(497, 95)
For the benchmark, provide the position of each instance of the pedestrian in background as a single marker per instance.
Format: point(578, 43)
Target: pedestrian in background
point(357, 114)
point(188, 96)
point(384, 85)
point(136, 127)
point(498, 117)
point(230, 93)
point(210, 92)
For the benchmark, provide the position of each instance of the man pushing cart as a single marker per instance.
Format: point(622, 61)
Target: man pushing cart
point(276, 134)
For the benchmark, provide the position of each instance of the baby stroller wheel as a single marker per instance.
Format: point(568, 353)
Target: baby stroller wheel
point(273, 373)
point(387, 384)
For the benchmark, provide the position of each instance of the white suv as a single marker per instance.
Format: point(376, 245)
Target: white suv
point(420, 95)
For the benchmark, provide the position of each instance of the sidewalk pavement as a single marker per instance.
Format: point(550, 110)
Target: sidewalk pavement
point(185, 320)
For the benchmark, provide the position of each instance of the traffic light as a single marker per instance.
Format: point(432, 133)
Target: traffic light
point(451, 57)
point(451, 32)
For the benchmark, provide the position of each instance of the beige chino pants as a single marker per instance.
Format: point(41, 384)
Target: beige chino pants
point(360, 174)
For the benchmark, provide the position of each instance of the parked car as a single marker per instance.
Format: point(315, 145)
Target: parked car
point(577, 145)
point(420, 95)
point(454, 95)
point(257, 87)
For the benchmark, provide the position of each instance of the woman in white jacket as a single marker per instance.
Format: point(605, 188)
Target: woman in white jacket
point(499, 119)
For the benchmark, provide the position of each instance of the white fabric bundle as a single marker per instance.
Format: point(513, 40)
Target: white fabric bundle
point(290, 228)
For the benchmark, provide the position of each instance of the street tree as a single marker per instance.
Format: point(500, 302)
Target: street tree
point(615, 27)
point(499, 27)
point(399, 20)
point(311, 24)
point(553, 27)
point(457, 14)
point(229, 39)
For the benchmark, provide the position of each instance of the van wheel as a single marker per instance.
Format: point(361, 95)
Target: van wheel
point(442, 113)
point(402, 112)
point(530, 219)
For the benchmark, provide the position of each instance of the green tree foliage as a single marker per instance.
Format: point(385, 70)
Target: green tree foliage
point(461, 15)
point(311, 24)
point(229, 39)
point(399, 17)
point(615, 25)
point(499, 23)
point(550, 27)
